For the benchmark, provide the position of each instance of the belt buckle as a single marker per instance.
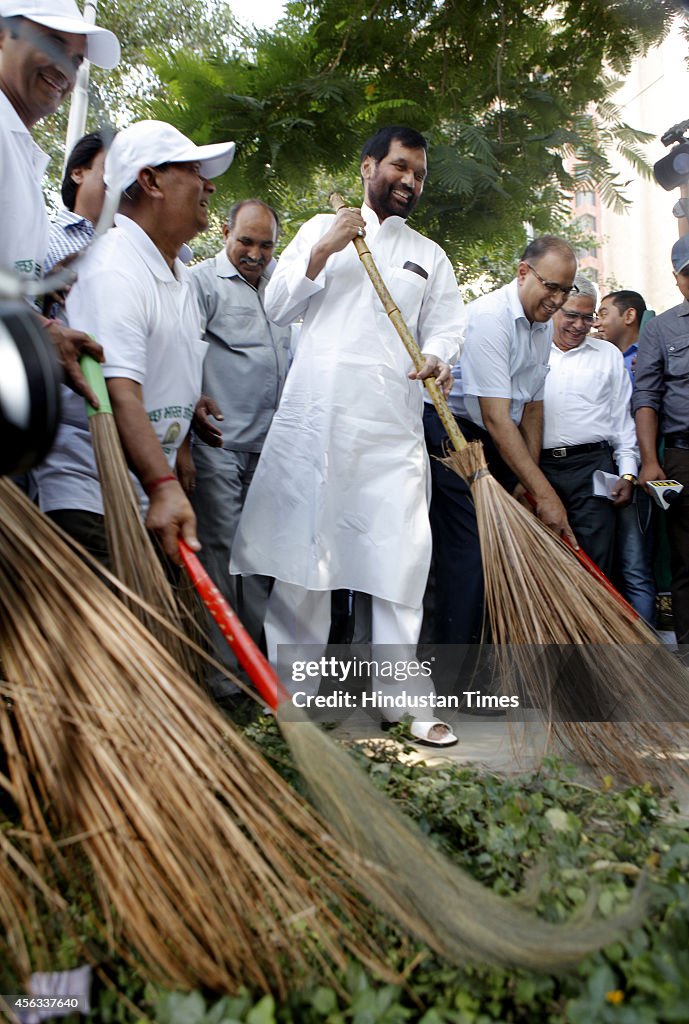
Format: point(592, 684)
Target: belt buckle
point(559, 453)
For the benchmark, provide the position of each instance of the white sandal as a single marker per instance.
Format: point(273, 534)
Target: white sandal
point(421, 733)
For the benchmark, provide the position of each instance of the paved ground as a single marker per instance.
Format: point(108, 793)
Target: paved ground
point(489, 743)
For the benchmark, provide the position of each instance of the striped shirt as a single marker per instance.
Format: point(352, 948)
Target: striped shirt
point(69, 233)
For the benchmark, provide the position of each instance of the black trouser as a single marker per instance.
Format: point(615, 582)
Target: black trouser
point(676, 467)
point(459, 592)
point(86, 527)
point(591, 518)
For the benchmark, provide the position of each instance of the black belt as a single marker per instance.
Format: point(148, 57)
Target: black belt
point(676, 440)
point(577, 449)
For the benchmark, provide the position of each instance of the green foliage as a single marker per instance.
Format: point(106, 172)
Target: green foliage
point(515, 98)
point(566, 849)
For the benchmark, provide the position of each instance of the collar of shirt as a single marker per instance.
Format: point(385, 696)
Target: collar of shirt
point(69, 219)
point(13, 123)
point(225, 268)
point(586, 343)
point(683, 309)
point(149, 251)
point(373, 225)
point(517, 309)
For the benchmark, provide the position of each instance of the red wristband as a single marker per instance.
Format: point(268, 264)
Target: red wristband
point(149, 488)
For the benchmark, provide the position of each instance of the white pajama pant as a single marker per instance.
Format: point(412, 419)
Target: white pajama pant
point(300, 618)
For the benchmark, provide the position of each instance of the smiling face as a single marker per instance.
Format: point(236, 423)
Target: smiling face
point(574, 321)
point(249, 244)
point(612, 325)
point(539, 300)
point(38, 67)
point(393, 185)
point(186, 193)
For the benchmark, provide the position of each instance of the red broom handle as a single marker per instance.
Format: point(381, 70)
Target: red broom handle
point(593, 569)
point(260, 671)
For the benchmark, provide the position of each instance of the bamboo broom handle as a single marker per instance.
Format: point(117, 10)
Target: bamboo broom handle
point(93, 373)
point(455, 435)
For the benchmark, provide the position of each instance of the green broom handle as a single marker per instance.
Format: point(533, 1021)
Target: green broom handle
point(457, 438)
point(93, 373)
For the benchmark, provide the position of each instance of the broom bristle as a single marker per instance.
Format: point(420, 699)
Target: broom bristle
point(577, 651)
point(450, 911)
point(134, 559)
point(219, 875)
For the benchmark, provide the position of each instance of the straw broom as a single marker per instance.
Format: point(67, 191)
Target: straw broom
point(133, 557)
point(217, 873)
point(537, 593)
point(405, 875)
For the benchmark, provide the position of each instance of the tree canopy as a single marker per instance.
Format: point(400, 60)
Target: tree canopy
point(515, 98)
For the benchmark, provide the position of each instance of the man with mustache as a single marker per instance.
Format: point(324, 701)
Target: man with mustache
point(339, 498)
point(243, 376)
point(42, 45)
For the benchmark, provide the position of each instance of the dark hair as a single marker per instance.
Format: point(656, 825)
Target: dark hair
point(624, 300)
point(545, 244)
point(378, 145)
point(83, 155)
point(234, 210)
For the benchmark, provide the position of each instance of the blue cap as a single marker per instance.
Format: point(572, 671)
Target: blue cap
point(680, 254)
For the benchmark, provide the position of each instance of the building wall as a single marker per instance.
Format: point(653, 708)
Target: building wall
point(634, 251)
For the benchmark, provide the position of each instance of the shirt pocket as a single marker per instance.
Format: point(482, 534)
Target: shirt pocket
point(678, 357)
point(407, 289)
point(240, 328)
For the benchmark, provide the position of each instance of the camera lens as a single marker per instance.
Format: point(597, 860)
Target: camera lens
point(30, 379)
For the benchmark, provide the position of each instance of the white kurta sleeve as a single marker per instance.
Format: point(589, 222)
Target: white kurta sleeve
point(441, 326)
point(289, 289)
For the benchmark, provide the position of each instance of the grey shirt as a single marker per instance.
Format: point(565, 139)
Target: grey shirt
point(248, 356)
point(662, 369)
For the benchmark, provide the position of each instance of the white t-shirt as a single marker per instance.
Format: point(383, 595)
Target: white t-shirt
point(24, 224)
point(146, 317)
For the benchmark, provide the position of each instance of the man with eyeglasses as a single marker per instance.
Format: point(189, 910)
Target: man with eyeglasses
point(661, 408)
point(588, 425)
point(497, 398)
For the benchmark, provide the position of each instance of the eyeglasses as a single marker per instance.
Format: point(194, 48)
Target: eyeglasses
point(586, 318)
point(552, 286)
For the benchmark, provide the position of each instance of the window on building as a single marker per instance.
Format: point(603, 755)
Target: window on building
point(584, 254)
point(587, 222)
point(585, 199)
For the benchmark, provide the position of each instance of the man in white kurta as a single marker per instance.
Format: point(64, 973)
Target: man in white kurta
point(339, 499)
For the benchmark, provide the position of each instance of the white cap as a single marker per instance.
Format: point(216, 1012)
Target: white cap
point(102, 46)
point(151, 143)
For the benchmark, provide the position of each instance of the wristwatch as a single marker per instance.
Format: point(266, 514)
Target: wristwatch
point(629, 476)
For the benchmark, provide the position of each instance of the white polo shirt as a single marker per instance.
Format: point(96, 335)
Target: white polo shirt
point(146, 317)
point(24, 224)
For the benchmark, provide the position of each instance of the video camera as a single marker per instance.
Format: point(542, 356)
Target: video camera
point(673, 170)
point(30, 378)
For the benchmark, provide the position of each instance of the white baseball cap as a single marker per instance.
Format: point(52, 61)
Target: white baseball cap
point(102, 46)
point(151, 143)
